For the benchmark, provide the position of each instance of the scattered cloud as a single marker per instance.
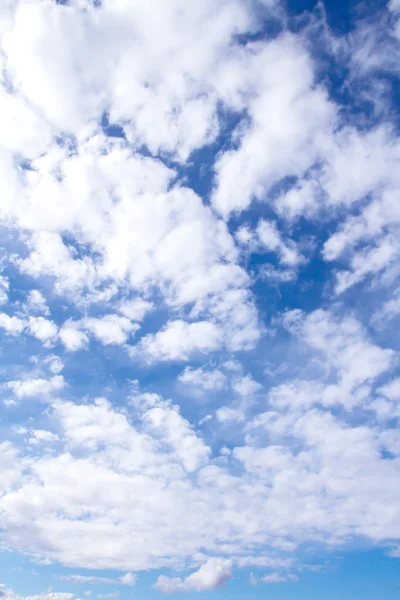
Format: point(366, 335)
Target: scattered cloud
point(279, 578)
point(197, 199)
point(36, 387)
point(215, 573)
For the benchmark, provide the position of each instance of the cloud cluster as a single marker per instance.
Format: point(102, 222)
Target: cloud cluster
point(191, 209)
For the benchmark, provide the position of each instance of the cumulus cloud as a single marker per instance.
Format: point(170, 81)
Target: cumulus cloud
point(203, 378)
point(11, 325)
point(110, 329)
point(36, 302)
point(178, 340)
point(36, 387)
point(164, 168)
point(215, 573)
point(43, 329)
point(136, 309)
point(73, 338)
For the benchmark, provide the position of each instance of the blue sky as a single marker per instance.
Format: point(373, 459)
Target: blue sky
point(199, 299)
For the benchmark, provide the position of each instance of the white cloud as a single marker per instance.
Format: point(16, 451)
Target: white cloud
point(179, 339)
point(11, 325)
point(127, 579)
point(43, 329)
point(95, 222)
point(369, 261)
point(289, 121)
point(110, 329)
point(178, 434)
point(36, 302)
point(36, 387)
point(269, 237)
point(388, 310)
point(391, 390)
point(225, 414)
point(279, 578)
point(55, 364)
point(116, 476)
point(351, 361)
point(50, 256)
point(9, 594)
point(203, 378)
point(136, 309)
point(246, 386)
point(4, 287)
point(215, 573)
point(73, 338)
point(39, 436)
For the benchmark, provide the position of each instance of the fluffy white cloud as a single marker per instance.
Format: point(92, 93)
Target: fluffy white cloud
point(135, 309)
point(350, 362)
point(289, 121)
point(110, 329)
point(153, 476)
point(128, 579)
point(11, 325)
point(213, 574)
point(55, 364)
point(72, 337)
point(203, 378)
point(113, 233)
point(246, 386)
point(36, 387)
point(179, 339)
point(43, 329)
point(35, 301)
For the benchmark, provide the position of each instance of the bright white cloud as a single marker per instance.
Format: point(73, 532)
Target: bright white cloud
point(11, 325)
point(178, 340)
point(110, 329)
point(269, 238)
point(36, 387)
point(349, 358)
point(289, 124)
point(55, 364)
point(109, 233)
point(43, 329)
point(136, 309)
point(73, 338)
point(213, 574)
